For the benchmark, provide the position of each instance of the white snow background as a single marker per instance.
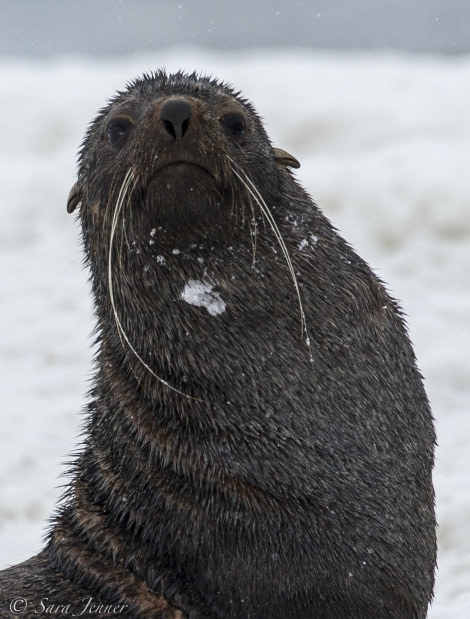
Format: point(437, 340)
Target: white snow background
point(384, 142)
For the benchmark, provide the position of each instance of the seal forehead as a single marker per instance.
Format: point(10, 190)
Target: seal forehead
point(160, 84)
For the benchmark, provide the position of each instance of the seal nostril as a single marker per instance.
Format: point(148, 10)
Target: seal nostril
point(170, 128)
point(176, 114)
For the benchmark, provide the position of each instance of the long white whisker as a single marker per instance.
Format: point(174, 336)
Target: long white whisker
point(253, 191)
point(130, 176)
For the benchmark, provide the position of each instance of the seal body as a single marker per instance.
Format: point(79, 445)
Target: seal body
point(258, 441)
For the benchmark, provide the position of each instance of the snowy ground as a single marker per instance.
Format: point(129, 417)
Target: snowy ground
point(384, 142)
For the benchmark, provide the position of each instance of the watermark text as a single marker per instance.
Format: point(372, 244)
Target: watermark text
point(84, 608)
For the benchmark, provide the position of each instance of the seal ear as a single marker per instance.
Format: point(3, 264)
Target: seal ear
point(74, 199)
point(284, 158)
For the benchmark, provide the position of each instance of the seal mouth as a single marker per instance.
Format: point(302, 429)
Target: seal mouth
point(179, 165)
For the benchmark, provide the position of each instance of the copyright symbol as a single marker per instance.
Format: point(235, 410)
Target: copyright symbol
point(18, 606)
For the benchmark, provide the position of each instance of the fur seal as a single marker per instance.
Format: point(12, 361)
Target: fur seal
point(258, 441)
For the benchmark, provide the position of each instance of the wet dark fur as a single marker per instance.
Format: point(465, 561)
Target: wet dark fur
point(234, 465)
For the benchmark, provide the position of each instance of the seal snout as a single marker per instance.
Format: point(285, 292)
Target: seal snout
point(176, 114)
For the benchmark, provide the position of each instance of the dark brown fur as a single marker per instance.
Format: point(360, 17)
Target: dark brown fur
point(270, 460)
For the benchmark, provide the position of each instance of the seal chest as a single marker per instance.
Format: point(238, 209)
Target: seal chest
point(258, 441)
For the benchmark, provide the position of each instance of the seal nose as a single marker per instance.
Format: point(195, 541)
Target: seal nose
point(175, 115)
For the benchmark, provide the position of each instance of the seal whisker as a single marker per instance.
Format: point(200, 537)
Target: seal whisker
point(254, 230)
point(109, 212)
point(258, 198)
point(252, 221)
point(120, 201)
point(128, 179)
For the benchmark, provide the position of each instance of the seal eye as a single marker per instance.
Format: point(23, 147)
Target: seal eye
point(234, 123)
point(116, 130)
